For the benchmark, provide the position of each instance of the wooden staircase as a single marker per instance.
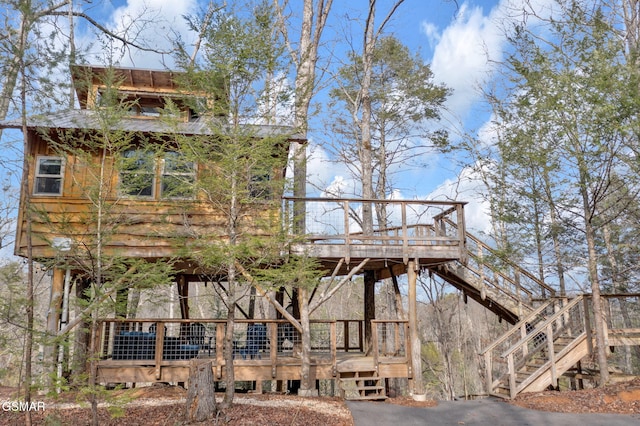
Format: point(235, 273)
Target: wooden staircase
point(545, 342)
point(498, 284)
point(358, 380)
point(539, 349)
point(362, 386)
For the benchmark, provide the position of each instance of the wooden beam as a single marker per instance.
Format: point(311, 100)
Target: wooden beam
point(324, 297)
point(369, 309)
point(53, 315)
point(416, 359)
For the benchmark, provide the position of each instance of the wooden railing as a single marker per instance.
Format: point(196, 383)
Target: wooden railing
point(507, 280)
point(390, 341)
point(405, 223)
point(160, 342)
point(536, 335)
point(622, 311)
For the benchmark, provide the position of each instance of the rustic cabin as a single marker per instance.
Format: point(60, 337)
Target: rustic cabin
point(358, 354)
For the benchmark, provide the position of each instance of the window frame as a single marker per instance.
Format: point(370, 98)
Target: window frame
point(39, 175)
point(153, 173)
point(176, 174)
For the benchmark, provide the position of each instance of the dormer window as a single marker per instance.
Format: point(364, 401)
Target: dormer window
point(48, 177)
point(145, 111)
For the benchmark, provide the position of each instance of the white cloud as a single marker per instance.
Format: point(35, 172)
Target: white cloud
point(462, 56)
point(431, 31)
point(325, 175)
point(467, 187)
point(151, 23)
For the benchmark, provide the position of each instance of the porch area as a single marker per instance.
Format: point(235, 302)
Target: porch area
point(160, 350)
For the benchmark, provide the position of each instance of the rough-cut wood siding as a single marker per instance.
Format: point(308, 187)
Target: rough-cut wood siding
point(134, 227)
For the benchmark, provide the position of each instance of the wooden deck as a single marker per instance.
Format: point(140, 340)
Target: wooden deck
point(427, 232)
point(131, 353)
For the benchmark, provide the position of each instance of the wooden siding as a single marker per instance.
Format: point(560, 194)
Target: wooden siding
point(134, 226)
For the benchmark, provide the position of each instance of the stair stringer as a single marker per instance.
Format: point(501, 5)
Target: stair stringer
point(542, 378)
point(499, 302)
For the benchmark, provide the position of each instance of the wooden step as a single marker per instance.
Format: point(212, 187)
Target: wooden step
point(361, 385)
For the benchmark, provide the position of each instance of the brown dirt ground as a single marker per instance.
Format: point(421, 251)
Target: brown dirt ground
point(164, 405)
point(619, 398)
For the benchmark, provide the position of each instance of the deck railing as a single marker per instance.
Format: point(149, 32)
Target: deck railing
point(622, 311)
point(390, 341)
point(164, 342)
point(400, 223)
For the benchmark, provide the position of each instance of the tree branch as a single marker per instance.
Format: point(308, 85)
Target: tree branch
point(107, 31)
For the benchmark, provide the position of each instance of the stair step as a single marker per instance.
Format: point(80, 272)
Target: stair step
point(361, 385)
point(358, 379)
point(367, 398)
point(370, 388)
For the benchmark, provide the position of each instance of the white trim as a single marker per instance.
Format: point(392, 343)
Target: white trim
point(38, 176)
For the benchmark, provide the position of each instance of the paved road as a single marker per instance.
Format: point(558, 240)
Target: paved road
point(492, 412)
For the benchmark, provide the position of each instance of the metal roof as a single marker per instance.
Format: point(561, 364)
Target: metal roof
point(89, 119)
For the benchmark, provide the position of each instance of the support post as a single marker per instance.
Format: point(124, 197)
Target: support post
point(369, 308)
point(416, 359)
point(53, 315)
point(183, 298)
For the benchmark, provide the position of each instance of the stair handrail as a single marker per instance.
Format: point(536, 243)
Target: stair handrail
point(514, 265)
point(541, 328)
point(547, 330)
point(517, 327)
point(492, 353)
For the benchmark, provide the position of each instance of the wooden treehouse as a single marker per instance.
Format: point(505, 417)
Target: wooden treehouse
point(358, 353)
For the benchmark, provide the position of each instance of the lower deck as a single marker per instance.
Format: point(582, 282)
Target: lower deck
point(161, 350)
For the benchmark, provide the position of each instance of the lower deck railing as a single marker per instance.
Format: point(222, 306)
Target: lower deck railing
point(165, 342)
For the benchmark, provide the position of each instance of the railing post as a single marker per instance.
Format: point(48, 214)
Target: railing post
point(523, 334)
point(513, 391)
point(345, 324)
point(347, 238)
point(273, 347)
point(374, 344)
point(159, 349)
point(587, 324)
point(405, 236)
point(334, 348)
point(488, 362)
point(552, 355)
point(462, 234)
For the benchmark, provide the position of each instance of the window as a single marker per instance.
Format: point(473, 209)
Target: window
point(260, 186)
point(49, 172)
point(178, 176)
point(137, 173)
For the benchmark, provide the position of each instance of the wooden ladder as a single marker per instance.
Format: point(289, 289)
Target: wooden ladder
point(363, 385)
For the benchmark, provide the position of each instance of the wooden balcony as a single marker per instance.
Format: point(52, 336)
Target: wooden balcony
point(159, 350)
point(405, 230)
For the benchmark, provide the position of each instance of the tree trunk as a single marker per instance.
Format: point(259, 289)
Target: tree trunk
point(598, 312)
point(307, 385)
point(201, 397)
